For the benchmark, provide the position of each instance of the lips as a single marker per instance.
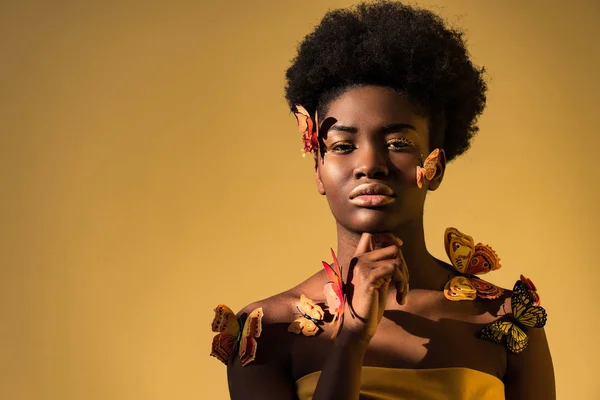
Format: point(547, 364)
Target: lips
point(372, 195)
point(372, 189)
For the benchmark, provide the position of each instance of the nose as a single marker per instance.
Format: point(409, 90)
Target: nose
point(371, 162)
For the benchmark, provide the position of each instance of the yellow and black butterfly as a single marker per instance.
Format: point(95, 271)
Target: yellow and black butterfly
point(525, 314)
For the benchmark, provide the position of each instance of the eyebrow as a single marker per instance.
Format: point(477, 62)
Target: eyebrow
point(385, 129)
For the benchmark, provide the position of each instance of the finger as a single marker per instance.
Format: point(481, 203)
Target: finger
point(401, 280)
point(386, 239)
point(365, 244)
point(383, 295)
point(404, 268)
point(381, 270)
point(385, 253)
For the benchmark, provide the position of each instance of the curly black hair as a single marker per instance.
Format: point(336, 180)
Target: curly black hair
point(408, 49)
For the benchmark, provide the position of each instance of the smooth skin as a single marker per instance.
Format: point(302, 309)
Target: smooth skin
point(376, 135)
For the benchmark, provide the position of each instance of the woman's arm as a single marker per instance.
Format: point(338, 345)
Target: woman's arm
point(530, 375)
point(340, 378)
point(269, 376)
point(267, 380)
point(373, 269)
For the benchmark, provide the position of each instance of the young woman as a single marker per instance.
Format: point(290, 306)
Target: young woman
point(384, 85)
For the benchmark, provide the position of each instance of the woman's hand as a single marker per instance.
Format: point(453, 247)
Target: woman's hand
point(377, 262)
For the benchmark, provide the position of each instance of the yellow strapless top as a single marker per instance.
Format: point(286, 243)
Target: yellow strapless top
point(378, 383)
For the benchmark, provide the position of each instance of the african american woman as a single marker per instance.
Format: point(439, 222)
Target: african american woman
point(385, 96)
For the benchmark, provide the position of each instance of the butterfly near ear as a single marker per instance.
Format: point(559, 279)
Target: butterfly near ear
point(334, 293)
point(311, 318)
point(233, 335)
point(525, 314)
point(429, 168)
point(469, 260)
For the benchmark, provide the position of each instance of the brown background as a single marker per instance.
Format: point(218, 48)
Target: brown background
point(150, 169)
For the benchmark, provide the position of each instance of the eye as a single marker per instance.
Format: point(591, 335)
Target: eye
point(400, 144)
point(341, 147)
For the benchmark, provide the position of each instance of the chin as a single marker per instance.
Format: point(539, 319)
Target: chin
point(374, 220)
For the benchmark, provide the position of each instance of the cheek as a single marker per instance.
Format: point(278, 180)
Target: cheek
point(336, 180)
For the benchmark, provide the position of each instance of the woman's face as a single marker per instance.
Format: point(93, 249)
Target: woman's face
point(377, 138)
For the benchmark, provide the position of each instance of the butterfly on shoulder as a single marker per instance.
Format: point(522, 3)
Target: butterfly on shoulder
point(312, 317)
point(470, 259)
point(334, 293)
point(232, 334)
point(525, 314)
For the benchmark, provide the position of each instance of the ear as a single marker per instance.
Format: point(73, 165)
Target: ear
point(440, 168)
point(318, 180)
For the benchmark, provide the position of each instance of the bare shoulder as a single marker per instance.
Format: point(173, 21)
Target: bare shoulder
point(278, 311)
point(281, 307)
point(272, 362)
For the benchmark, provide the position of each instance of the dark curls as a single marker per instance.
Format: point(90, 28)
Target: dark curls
point(402, 47)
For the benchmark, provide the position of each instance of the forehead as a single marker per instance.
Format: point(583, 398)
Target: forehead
point(375, 106)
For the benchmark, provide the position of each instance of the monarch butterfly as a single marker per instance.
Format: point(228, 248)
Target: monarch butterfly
point(525, 314)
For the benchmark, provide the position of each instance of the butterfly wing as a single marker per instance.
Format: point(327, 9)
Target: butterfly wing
point(305, 123)
point(430, 164)
point(484, 260)
point(532, 290)
point(524, 309)
point(496, 330)
point(334, 292)
point(310, 308)
point(226, 323)
point(516, 340)
point(337, 285)
point(459, 288)
point(485, 289)
point(533, 317)
point(252, 330)
point(420, 176)
point(459, 248)
point(304, 326)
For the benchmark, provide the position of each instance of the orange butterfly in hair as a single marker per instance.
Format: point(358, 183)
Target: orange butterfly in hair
point(309, 130)
point(334, 293)
point(232, 334)
point(312, 317)
point(470, 259)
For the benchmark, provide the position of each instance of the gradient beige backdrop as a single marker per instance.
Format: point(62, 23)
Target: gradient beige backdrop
point(150, 169)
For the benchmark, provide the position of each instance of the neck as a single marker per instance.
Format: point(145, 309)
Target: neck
point(425, 271)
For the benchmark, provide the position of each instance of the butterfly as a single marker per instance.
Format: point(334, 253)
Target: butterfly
point(308, 128)
point(232, 335)
point(427, 171)
point(532, 290)
point(312, 317)
point(470, 259)
point(525, 314)
point(334, 293)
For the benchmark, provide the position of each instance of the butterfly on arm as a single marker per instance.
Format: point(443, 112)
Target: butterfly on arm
point(526, 313)
point(232, 334)
point(311, 319)
point(470, 259)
